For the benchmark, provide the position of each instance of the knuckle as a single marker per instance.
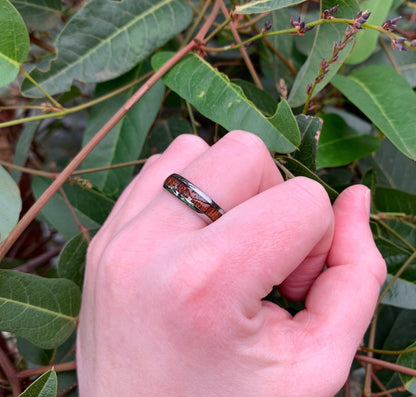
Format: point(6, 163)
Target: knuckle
point(247, 141)
point(184, 141)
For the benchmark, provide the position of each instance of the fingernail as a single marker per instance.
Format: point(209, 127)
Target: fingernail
point(367, 202)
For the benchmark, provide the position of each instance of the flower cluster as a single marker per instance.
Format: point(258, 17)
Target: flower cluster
point(300, 26)
point(360, 18)
point(329, 14)
point(399, 44)
point(390, 24)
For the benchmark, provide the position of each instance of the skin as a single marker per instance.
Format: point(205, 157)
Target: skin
point(173, 306)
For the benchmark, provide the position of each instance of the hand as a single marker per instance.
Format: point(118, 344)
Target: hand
point(173, 306)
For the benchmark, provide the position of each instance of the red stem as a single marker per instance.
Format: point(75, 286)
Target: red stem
point(10, 373)
point(87, 149)
point(386, 364)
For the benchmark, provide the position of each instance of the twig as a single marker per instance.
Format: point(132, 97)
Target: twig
point(10, 373)
point(87, 149)
point(53, 175)
point(61, 367)
point(385, 364)
point(243, 51)
point(40, 260)
point(389, 55)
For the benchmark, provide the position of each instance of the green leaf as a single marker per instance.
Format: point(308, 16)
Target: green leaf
point(325, 36)
point(71, 261)
point(125, 141)
point(392, 200)
point(14, 42)
point(22, 147)
point(90, 206)
point(401, 294)
point(10, 203)
point(42, 310)
point(387, 99)
point(310, 129)
point(408, 360)
point(339, 144)
point(260, 6)
point(39, 14)
point(45, 386)
point(298, 169)
point(163, 133)
point(261, 99)
point(213, 95)
point(392, 167)
point(91, 49)
point(367, 38)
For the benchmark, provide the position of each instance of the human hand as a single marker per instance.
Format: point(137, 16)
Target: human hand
point(173, 306)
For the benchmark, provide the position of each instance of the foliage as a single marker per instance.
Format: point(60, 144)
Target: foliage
point(329, 87)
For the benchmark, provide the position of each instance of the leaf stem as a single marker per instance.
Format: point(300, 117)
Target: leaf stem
point(389, 352)
point(87, 149)
point(35, 83)
point(78, 107)
point(192, 118)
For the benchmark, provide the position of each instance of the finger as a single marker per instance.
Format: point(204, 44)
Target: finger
point(263, 240)
point(182, 151)
point(146, 185)
point(234, 169)
point(342, 300)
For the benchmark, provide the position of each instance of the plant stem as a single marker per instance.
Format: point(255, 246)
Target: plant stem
point(76, 108)
point(53, 175)
point(389, 55)
point(27, 373)
point(243, 51)
point(386, 364)
point(191, 118)
point(8, 369)
point(392, 352)
point(87, 149)
point(396, 276)
point(51, 99)
point(197, 21)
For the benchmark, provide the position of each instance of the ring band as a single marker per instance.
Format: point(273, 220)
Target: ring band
point(192, 196)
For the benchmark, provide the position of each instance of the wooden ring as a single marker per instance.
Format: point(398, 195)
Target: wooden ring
point(193, 197)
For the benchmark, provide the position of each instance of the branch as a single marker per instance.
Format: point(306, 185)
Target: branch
point(87, 149)
point(10, 373)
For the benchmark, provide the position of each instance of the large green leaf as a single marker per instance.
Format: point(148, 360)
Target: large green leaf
point(401, 294)
point(339, 144)
point(90, 206)
point(39, 14)
point(22, 147)
point(325, 36)
point(45, 386)
point(39, 309)
point(213, 95)
point(105, 39)
point(298, 169)
point(387, 99)
point(367, 38)
point(125, 141)
point(408, 360)
point(392, 200)
point(10, 203)
point(310, 130)
point(71, 261)
point(392, 167)
point(14, 42)
point(259, 6)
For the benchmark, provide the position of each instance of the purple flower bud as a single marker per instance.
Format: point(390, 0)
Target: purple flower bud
point(267, 25)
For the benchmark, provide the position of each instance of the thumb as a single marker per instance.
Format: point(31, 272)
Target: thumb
point(346, 293)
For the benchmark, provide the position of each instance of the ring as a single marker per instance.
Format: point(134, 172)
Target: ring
point(192, 196)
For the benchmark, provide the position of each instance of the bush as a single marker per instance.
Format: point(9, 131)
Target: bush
point(91, 90)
